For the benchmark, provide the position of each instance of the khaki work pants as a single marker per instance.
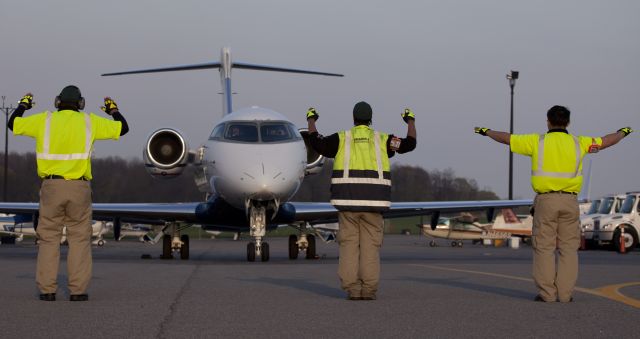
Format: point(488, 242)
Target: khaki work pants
point(64, 203)
point(556, 225)
point(360, 239)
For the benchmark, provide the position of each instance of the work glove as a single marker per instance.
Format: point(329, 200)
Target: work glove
point(311, 113)
point(408, 115)
point(625, 130)
point(27, 101)
point(481, 130)
point(110, 106)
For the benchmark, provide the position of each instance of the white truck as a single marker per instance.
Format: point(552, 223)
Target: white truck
point(609, 204)
point(608, 229)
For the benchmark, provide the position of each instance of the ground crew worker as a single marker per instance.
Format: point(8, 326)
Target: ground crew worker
point(64, 142)
point(556, 177)
point(361, 191)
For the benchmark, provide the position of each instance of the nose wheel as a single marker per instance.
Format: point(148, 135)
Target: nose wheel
point(258, 229)
point(254, 252)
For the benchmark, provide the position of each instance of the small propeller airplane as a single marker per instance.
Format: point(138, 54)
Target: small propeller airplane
point(466, 227)
point(250, 167)
point(13, 228)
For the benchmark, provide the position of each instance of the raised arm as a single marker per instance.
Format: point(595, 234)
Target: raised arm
point(501, 137)
point(25, 104)
point(614, 138)
point(110, 107)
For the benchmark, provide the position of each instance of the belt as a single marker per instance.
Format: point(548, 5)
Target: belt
point(54, 176)
point(560, 192)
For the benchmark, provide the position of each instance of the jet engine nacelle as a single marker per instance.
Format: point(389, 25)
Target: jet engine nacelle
point(166, 154)
point(315, 160)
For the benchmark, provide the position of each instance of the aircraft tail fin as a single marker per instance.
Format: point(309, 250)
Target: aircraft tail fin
point(225, 65)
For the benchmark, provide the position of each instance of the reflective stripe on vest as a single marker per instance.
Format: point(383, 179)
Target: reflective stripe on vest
point(46, 143)
point(347, 157)
point(374, 203)
point(365, 186)
point(539, 172)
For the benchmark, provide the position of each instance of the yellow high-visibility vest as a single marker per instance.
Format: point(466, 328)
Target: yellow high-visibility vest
point(361, 179)
point(556, 159)
point(64, 140)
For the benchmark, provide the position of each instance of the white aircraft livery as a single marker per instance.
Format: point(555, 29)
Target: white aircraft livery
point(250, 166)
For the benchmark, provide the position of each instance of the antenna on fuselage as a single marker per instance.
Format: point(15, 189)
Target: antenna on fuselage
point(225, 65)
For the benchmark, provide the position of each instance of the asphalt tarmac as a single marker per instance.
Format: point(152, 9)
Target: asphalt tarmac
point(442, 292)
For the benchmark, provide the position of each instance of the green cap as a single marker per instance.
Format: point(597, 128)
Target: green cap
point(70, 94)
point(362, 111)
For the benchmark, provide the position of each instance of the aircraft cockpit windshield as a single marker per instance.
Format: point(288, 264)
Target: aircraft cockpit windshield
point(255, 132)
point(275, 132)
point(242, 132)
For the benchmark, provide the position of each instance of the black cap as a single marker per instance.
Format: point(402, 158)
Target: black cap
point(362, 111)
point(70, 94)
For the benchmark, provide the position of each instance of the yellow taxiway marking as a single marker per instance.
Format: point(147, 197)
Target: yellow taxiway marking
point(610, 291)
point(613, 292)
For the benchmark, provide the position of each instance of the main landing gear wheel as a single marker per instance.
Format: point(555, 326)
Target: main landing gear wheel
point(460, 243)
point(454, 243)
point(251, 252)
point(432, 243)
point(184, 249)
point(311, 248)
point(166, 247)
point(264, 255)
point(293, 247)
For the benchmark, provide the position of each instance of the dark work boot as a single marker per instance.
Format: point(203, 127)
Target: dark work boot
point(48, 296)
point(79, 297)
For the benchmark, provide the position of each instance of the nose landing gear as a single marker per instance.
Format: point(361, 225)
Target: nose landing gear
point(257, 229)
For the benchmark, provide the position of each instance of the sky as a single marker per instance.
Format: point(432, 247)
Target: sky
point(447, 60)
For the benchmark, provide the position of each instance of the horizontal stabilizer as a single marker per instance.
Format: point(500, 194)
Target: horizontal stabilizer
point(280, 69)
point(218, 65)
point(169, 69)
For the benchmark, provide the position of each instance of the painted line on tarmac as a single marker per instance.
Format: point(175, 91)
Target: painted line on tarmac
point(611, 292)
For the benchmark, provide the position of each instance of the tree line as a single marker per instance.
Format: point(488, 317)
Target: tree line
point(117, 179)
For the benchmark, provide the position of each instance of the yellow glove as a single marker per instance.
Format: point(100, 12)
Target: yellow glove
point(110, 106)
point(625, 130)
point(408, 115)
point(312, 114)
point(481, 130)
point(27, 101)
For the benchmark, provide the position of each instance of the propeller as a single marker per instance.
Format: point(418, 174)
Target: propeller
point(36, 215)
point(490, 214)
point(117, 227)
point(434, 219)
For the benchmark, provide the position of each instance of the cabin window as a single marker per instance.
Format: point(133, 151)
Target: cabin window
point(605, 205)
point(594, 207)
point(627, 205)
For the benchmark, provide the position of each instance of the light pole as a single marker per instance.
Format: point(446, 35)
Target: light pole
point(512, 77)
point(6, 148)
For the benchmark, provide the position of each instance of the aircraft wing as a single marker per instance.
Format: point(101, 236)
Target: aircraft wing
point(311, 212)
point(315, 213)
point(150, 212)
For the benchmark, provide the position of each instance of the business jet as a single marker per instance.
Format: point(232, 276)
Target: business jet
point(250, 166)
